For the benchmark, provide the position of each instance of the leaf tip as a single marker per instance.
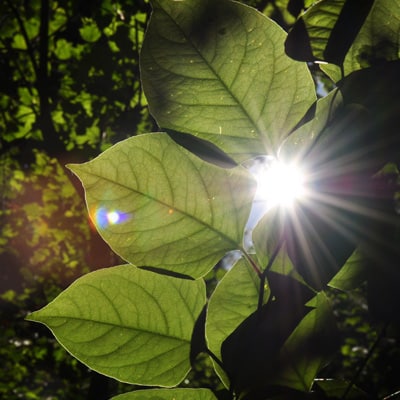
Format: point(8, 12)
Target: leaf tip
point(73, 167)
point(33, 317)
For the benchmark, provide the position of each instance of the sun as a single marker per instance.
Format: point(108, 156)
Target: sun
point(279, 183)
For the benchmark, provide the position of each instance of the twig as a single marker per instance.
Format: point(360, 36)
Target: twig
point(267, 268)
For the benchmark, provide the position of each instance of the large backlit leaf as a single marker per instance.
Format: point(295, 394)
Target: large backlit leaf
point(168, 394)
point(130, 324)
point(158, 205)
point(234, 299)
point(217, 69)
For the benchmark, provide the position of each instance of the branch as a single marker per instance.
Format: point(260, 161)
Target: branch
point(25, 36)
point(267, 268)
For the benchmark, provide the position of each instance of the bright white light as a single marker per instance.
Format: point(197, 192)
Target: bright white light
point(113, 217)
point(280, 184)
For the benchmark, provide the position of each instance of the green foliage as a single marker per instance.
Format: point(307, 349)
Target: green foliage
point(183, 221)
point(72, 74)
point(62, 99)
point(348, 34)
point(235, 63)
point(218, 72)
point(149, 351)
point(162, 394)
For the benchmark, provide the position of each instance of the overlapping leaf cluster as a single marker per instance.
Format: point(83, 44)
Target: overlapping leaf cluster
point(218, 72)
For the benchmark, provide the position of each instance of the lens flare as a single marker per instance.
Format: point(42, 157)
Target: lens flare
point(104, 217)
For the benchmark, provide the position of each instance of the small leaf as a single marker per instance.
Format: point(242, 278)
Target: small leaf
point(90, 32)
point(218, 70)
point(168, 394)
point(19, 42)
point(158, 205)
point(63, 50)
point(127, 323)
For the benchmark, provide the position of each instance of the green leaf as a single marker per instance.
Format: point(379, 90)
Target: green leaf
point(234, 299)
point(267, 237)
point(218, 70)
point(90, 32)
point(251, 354)
point(168, 394)
point(335, 388)
point(376, 42)
point(309, 347)
point(296, 146)
point(63, 49)
point(123, 322)
point(326, 31)
point(158, 205)
point(352, 274)
point(351, 33)
point(19, 42)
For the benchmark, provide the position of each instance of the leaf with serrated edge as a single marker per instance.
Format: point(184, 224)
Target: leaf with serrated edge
point(168, 394)
point(127, 323)
point(177, 212)
point(218, 70)
point(234, 299)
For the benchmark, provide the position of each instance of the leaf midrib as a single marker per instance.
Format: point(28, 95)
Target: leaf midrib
point(234, 97)
point(169, 206)
point(111, 324)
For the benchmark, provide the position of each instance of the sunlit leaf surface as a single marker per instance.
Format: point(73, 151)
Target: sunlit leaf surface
point(168, 394)
point(234, 299)
point(158, 205)
point(122, 322)
point(217, 69)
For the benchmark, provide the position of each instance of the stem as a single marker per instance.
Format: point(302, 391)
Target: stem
point(365, 361)
point(392, 396)
point(24, 35)
point(252, 263)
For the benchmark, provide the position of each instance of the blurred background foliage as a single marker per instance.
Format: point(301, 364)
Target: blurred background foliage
point(70, 88)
